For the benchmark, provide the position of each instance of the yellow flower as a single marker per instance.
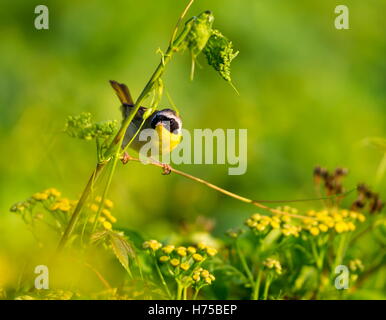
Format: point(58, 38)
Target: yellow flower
point(208, 280)
point(314, 231)
point(192, 250)
point(53, 192)
point(196, 277)
point(341, 227)
point(64, 207)
point(211, 251)
point(286, 232)
point(285, 218)
point(185, 266)
point(275, 224)
point(109, 216)
point(40, 196)
point(205, 273)
point(271, 263)
point(344, 213)
point(353, 214)
point(311, 213)
point(308, 221)
point(201, 246)
point(351, 226)
point(256, 217)
point(164, 258)
point(107, 225)
point(152, 244)
point(108, 203)
point(174, 262)
point(323, 227)
point(168, 249)
point(361, 217)
point(212, 277)
point(94, 207)
point(181, 251)
point(197, 257)
point(260, 227)
point(101, 219)
point(250, 223)
point(98, 199)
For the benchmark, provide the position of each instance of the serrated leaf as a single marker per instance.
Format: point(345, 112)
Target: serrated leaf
point(121, 248)
point(97, 236)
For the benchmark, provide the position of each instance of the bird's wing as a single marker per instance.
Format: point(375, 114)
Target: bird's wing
point(123, 92)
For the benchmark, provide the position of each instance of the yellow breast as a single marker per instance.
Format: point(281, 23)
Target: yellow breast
point(167, 140)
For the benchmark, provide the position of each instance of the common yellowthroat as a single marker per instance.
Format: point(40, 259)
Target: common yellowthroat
point(166, 123)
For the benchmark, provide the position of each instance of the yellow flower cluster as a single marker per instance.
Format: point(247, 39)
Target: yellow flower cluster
point(263, 224)
point(183, 259)
point(46, 194)
point(318, 222)
point(153, 245)
point(202, 276)
point(106, 219)
point(62, 204)
point(356, 265)
point(273, 264)
point(338, 220)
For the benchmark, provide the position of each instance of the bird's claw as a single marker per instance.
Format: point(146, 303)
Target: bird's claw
point(125, 159)
point(166, 169)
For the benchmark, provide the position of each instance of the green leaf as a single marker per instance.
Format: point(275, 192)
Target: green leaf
point(97, 236)
point(219, 53)
point(200, 32)
point(121, 248)
point(134, 236)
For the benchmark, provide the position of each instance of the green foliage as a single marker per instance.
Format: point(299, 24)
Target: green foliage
point(200, 32)
point(219, 54)
point(81, 127)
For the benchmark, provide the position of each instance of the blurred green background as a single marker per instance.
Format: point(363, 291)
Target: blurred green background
point(309, 94)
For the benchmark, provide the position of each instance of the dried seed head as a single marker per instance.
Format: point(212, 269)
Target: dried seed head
point(339, 172)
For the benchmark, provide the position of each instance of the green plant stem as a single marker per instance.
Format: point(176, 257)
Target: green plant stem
point(256, 288)
point(179, 290)
point(196, 291)
point(105, 191)
point(266, 286)
point(185, 293)
point(244, 263)
point(80, 204)
point(340, 253)
point(380, 171)
point(162, 278)
point(317, 256)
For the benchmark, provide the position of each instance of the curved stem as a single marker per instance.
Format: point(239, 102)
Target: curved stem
point(266, 286)
point(79, 205)
point(105, 191)
point(226, 192)
point(162, 278)
point(244, 263)
point(196, 291)
point(256, 288)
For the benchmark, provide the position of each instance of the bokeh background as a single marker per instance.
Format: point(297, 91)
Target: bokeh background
point(309, 94)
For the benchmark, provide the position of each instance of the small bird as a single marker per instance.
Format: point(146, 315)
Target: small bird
point(166, 123)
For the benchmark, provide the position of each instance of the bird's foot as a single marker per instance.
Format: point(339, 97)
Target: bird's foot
point(125, 158)
point(166, 169)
